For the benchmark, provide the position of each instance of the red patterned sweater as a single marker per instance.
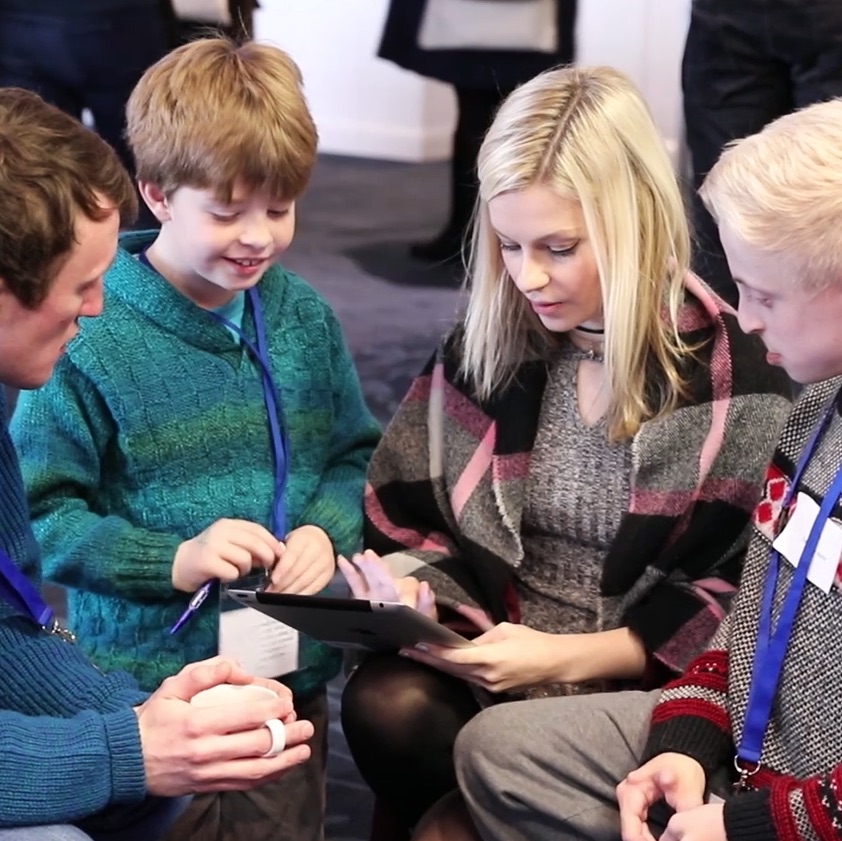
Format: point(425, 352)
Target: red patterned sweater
point(797, 793)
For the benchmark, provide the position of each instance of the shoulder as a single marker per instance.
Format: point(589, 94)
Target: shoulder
point(811, 405)
point(732, 361)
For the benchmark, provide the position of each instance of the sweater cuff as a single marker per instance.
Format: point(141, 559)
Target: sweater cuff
point(692, 736)
point(128, 773)
point(748, 817)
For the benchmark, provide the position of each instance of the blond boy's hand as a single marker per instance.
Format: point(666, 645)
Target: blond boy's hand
point(307, 563)
point(225, 550)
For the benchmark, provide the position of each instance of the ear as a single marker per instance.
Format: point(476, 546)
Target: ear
point(7, 302)
point(156, 200)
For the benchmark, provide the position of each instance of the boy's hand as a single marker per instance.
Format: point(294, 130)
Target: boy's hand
point(227, 550)
point(704, 823)
point(307, 563)
point(677, 778)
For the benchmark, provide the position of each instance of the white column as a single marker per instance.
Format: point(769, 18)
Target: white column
point(362, 105)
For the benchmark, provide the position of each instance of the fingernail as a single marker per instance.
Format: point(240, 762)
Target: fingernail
point(421, 647)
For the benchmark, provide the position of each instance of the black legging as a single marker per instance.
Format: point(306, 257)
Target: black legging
point(401, 720)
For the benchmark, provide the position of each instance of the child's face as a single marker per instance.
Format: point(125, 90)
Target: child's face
point(211, 249)
point(798, 325)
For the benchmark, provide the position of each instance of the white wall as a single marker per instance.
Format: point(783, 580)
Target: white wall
point(368, 107)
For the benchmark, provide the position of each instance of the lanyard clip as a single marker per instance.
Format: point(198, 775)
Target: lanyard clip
point(55, 628)
point(746, 770)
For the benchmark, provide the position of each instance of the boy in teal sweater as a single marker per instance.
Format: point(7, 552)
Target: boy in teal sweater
point(211, 421)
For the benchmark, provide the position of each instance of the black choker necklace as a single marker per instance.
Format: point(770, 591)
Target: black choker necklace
point(597, 331)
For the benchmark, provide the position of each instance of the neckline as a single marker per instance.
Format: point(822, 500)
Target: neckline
point(571, 351)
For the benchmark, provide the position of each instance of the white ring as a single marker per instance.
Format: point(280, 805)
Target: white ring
point(279, 736)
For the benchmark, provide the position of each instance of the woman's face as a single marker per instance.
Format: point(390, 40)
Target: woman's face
point(547, 253)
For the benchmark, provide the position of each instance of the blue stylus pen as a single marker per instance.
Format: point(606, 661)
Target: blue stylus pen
point(196, 601)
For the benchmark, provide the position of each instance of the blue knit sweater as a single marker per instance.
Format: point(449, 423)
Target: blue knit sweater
point(154, 426)
point(69, 741)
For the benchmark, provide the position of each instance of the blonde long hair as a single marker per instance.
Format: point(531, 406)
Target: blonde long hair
point(586, 133)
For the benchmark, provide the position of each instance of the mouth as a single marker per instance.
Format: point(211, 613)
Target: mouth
point(247, 262)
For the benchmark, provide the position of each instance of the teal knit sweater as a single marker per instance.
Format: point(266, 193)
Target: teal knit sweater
point(69, 741)
point(154, 426)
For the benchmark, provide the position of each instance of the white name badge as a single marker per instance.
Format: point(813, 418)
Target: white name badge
point(791, 541)
point(263, 646)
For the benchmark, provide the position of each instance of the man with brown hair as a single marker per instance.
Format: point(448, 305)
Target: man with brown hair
point(84, 754)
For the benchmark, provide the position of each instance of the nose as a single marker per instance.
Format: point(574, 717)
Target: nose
point(748, 318)
point(256, 233)
point(94, 302)
point(531, 275)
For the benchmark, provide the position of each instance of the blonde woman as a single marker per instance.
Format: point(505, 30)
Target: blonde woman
point(573, 474)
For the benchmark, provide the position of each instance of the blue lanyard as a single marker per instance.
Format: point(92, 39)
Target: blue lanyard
point(21, 594)
point(259, 351)
point(772, 643)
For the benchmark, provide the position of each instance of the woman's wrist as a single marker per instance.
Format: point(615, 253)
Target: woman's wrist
point(604, 655)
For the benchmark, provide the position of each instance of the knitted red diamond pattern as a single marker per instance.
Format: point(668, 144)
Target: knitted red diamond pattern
point(769, 508)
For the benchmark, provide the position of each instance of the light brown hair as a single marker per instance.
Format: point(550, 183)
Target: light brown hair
point(51, 169)
point(213, 113)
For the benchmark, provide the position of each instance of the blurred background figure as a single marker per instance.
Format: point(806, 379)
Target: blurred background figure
point(745, 64)
point(83, 55)
point(481, 79)
point(193, 18)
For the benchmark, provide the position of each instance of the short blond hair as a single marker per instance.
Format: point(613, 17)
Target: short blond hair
point(587, 134)
point(780, 191)
point(213, 113)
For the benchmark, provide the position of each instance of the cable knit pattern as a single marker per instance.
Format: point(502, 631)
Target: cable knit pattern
point(797, 792)
point(47, 743)
point(154, 426)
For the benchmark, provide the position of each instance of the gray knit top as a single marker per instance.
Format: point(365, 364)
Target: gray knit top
point(577, 494)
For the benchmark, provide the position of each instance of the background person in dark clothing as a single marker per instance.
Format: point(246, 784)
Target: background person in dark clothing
point(481, 80)
point(82, 54)
point(745, 64)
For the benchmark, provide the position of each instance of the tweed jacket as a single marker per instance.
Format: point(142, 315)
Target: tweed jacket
point(446, 487)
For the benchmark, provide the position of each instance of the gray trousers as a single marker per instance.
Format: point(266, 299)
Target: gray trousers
point(547, 769)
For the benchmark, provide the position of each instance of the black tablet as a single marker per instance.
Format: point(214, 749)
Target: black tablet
point(352, 623)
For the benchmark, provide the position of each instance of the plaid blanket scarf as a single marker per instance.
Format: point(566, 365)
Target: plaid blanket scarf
point(446, 487)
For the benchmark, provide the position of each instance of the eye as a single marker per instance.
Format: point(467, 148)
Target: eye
point(761, 300)
point(224, 217)
point(509, 246)
point(278, 214)
point(563, 252)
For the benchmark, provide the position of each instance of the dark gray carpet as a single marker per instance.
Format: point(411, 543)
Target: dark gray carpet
point(353, 227)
